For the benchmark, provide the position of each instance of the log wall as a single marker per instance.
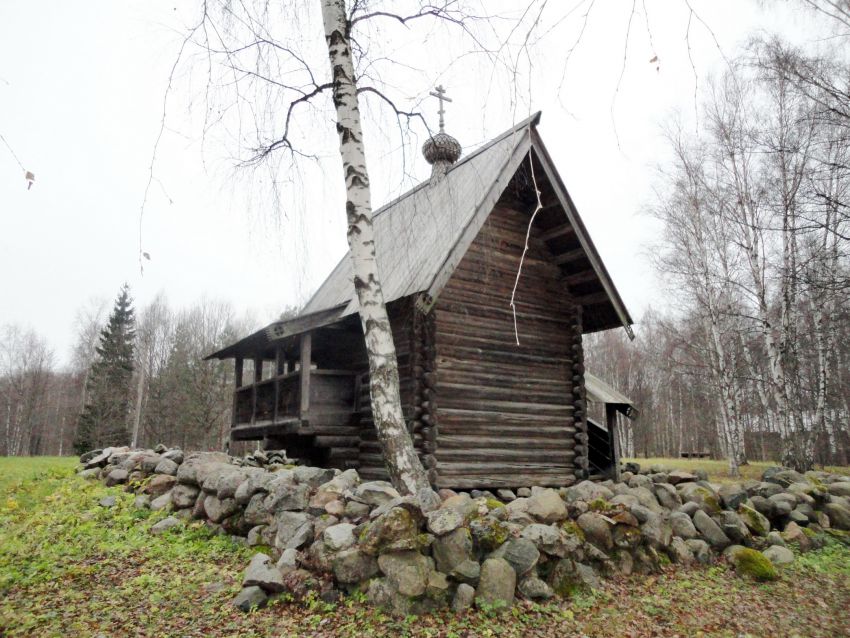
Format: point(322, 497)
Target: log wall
point(509, 415)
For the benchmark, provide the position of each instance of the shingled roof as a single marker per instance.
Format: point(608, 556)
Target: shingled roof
point(421, 236)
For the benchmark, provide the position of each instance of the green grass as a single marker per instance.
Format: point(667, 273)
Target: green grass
point(71, 568)
point(719, 470)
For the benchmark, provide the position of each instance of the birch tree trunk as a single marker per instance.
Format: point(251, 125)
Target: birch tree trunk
point(404, 467)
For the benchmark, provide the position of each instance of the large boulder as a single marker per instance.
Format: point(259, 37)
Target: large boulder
point(159, 485)
point(667, 496)
point(547, 506)
point(782, 477)
point(732, 495)
point(443, 521)
point(779, 555)
point(755, 521)
point(313, 476)
point(407, 571)
point(497, 583)
point(588, 491)
point(839, 515)
point(352, 566)
point(752, 564)
point(164, 525)
point(680, 476)
point(183, 496)
point(117, 477)
point(197, 465)
point(705, 498)
point(682, 525)
point(261, 572)
point(294, 530)
point(250, 598)
point(452, 549)
point(167, 466)
point(549, 539)
point(839, 488)
point(733, 526)
point(338, 537)
point(218, 509)
point(711, 531)
point(596, 530)
point(397, 528)
point(679, 552)
point(520, 553)
point(376, 493)
point(463, 599)
point(657, 532)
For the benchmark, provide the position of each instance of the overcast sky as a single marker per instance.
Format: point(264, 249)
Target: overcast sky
point(81, 101)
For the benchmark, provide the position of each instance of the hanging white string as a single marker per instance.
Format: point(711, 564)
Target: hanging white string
point(525, 248)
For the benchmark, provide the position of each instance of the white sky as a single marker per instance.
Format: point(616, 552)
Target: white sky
point(81, 90)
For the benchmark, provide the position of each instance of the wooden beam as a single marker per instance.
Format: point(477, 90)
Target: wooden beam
point(593, 298)
point(611, 417)
point(559, 231)
point(238, 382)
point(258, 376)
point(581, 277)
point(570, 255)
point(239, 369)
point(306, 356)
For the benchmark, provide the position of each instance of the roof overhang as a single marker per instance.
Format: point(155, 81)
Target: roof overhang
point(600, 392)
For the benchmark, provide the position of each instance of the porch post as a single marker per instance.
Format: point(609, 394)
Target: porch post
point(611, 419)
point(306, 356)
point(238, 383)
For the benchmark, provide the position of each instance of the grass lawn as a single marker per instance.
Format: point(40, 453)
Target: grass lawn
point(718, 471)
point(71, 568)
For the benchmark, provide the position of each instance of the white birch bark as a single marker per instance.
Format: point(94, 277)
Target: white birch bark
point(403, 464)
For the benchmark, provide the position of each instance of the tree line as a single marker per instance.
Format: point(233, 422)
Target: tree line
point(132, 379)
point(753, 358)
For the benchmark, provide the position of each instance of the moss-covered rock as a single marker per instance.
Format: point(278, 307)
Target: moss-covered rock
point(751, 563)
point(489, 533)
point(756, 522)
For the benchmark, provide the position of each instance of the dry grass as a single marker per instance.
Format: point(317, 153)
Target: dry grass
point(718, 471)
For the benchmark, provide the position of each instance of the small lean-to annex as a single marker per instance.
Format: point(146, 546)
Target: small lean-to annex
point(484, 411)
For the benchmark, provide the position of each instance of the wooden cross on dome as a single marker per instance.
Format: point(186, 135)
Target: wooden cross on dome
point(440, 94)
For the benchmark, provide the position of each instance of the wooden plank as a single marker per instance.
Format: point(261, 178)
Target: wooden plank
point(570, 256)
point(306, 357)
point(593, 298)
point(581, 277)
point(564, 230)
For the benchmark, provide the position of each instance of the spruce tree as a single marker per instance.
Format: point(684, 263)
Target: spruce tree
point(104, 419)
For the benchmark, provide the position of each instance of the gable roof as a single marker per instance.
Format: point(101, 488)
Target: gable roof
point(421, 236)
point(600, 392)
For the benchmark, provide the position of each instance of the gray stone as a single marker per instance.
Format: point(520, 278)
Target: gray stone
point(763, 505)
point(165, 525)
point(667, 496)
point(497, 583)
point(732, 495)
point(839, 488)
point(520, 553)
point(646, 497)
point(596, 530)
point(689, 509)
point(352, 566)
point(161, 502)
point(218, 509)
point(250, 598)
point(705, 498)
point(680, 476)
point(257, 512)
point(166, 466)
point(640, 480)
point(148, 463)
point(175, 455)
point(700, 550)
point(338, 537)
point(657, 532)
point(443, 521)
point(90, 474)
point(548, 539)
point(183, 496)
point(288, 560)
point(107, 501)
point(463, 599)
point(466, 571)
point(755, 521)
point(680, 552)
point(294, 530)
point(452, 549)
point(839, 515)
point(766, 490)
point(313, 476)
point(798, 516)
point(428, 500)
point(341, 483)
point(262, 573)
point(779, 555)
point(588, 491)
point(288, 498)
point(711, 531)
point(775, 538)
point(523, 492)
point(506, 496)
point(547, 506)
point(733, 527)
point(783, 477)
point(783, 504)
point(198, 464)
point(641, 513)
point(356, 511)
point(407, 571)
point(159, 485)
point(116, 477)
point(376, 493)
point(533, 588)
point(629, 500)
point(142, 501)
point(682, 525)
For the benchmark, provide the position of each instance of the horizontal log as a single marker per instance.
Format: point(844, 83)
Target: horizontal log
point(498, 455)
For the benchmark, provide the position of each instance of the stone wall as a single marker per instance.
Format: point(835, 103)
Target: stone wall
point(326, 531)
